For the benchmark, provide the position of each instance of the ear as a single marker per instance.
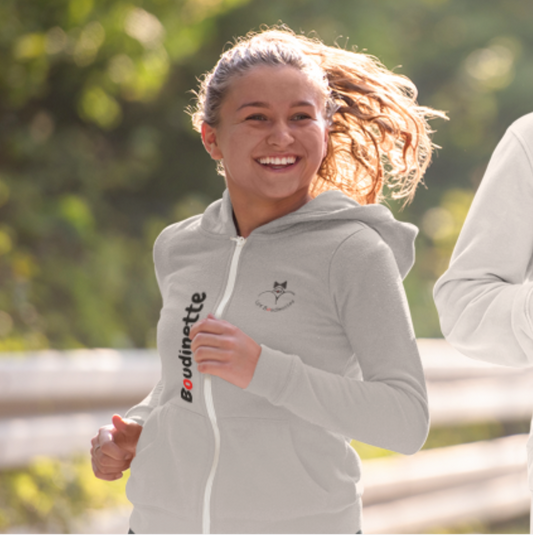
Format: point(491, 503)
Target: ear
point(209, 139)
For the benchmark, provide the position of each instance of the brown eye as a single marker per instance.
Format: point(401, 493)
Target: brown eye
point(256, 117)
point(301, 116)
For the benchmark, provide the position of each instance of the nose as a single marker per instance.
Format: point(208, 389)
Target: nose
point(280, 135)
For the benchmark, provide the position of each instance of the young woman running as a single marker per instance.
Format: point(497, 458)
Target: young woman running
point(285, 331)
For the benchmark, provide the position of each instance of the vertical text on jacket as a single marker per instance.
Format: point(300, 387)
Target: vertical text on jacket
point(185, 353)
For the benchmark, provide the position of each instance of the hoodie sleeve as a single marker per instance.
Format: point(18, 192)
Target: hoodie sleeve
point(388, 408)
point(142, 410)
point(484, 299)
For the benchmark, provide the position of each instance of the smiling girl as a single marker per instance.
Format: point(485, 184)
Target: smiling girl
point(285, 330)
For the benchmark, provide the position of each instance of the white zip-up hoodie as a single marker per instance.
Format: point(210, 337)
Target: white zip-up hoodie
point(320, 290)
point(485, 298)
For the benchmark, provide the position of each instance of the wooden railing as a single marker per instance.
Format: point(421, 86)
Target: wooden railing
point(52, 403)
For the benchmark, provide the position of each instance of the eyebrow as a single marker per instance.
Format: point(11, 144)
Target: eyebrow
point(258, 104)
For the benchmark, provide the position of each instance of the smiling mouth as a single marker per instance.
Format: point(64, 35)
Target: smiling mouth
point(278, 163)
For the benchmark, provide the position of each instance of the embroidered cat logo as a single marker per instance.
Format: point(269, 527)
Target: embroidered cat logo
point(269, 303)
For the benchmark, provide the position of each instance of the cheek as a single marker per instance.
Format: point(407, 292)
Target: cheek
point(323, 144)
point(245, 140)
point(321, 136)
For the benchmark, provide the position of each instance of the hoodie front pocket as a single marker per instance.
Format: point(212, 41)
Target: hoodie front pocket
point(260, 476)
point(171, 467)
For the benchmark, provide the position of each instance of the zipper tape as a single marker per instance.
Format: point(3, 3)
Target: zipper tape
point(208, 391)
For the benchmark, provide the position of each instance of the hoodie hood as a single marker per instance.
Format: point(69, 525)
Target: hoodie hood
point(331, 205)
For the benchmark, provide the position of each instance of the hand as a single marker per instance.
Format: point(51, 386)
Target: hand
point(113, 448)
point(223, 350)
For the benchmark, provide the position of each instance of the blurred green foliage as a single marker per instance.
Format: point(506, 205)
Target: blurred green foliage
point(50, 494)
point(97, 154)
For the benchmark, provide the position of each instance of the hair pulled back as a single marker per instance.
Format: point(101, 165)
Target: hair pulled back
point(378, 135)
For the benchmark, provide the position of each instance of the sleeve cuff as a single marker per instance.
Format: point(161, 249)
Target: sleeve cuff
point(136, 419)
point(272, 374)
point(522, 323)
point(137, 414)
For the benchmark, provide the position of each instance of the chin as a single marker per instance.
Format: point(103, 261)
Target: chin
point(285, 194)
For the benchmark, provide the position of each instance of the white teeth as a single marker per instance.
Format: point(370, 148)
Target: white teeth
point(277, 161)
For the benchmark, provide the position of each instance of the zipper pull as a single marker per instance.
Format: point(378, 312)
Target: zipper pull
point(239, 239)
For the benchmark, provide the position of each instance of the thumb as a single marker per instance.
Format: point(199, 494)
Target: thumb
point(126, 433)
point(121, 424)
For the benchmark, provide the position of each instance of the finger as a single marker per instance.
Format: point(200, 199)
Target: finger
point(118, 459)
point(105, 434)
point(124, 424)
point(108, 465)
point(127, 433)
point(107, 472)
point(211, 367)
point(102, 435)
point(110, 471)
point(106, 477)
point(110, 449)
point(108, 443)
point(211, 354)
point(118, 422)
point(94, 449)
point(214, 341)
point(209, 324)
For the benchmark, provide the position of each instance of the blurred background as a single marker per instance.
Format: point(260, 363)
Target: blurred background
point(97, 156)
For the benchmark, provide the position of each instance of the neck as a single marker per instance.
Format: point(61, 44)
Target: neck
point(249, 214)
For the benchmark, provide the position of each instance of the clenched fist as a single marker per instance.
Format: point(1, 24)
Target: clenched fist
point(222, 349)
point(113, 448)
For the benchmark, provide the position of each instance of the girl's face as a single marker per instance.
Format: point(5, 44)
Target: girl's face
point(271, 135)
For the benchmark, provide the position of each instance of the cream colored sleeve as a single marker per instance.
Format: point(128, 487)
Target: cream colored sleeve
point(485, 298)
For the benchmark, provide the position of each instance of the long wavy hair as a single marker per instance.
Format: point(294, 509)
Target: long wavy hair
point(379, 136)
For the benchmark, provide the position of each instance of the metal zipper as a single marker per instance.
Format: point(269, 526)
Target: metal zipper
point(208, 393)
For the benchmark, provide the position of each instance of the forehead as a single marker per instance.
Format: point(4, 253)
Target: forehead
point(279, 85)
